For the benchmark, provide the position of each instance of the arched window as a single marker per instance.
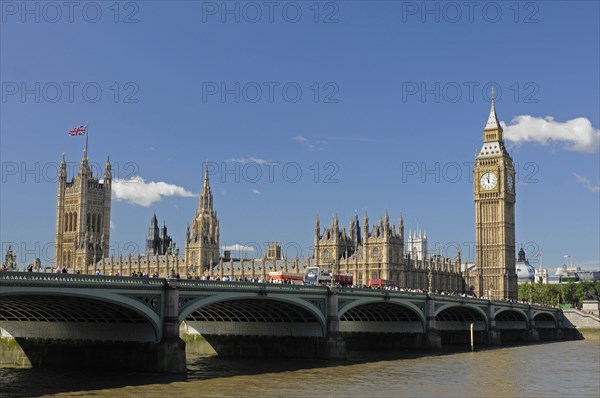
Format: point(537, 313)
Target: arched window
point(375, 254)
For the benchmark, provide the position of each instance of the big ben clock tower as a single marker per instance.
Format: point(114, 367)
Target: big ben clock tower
point(494, 179)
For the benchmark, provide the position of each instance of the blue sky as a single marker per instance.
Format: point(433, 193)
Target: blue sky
point(379, 105)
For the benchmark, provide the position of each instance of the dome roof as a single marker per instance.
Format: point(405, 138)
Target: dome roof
point(561, 271)
point(524, 270)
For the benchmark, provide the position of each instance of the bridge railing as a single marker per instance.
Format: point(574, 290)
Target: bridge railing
point(193, 284)
point(379, 292)
point(21, 278)
point(500, 303)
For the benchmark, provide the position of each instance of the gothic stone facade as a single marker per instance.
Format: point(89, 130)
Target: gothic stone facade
point(158, 240)
point(378, 252)
point(82, 217)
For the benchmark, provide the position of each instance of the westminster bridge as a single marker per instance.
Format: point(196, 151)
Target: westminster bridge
point(128, 323)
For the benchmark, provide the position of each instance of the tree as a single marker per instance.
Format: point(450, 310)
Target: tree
point(571, 292)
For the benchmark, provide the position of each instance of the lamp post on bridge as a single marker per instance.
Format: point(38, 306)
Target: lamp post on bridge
point(173, 251)
point(429, 281)
point(333, 267)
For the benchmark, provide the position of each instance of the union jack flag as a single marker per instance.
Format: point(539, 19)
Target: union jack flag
point(81, 130)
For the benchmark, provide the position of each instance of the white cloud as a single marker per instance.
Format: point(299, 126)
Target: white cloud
point(350, 139)
point(583, 180)
point(249, 160)
point(310, 144)
point(136, 191)
point(575, 134)
point(256, 191)
point(112, 225)
point(239, 248)
point(300, 138)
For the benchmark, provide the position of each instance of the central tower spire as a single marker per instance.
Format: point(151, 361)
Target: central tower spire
point(493, 130)
point(202, 249)
point(206, 198)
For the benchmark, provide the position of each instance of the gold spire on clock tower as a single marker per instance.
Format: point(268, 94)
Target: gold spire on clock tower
point(493, 130)
point(494, 191)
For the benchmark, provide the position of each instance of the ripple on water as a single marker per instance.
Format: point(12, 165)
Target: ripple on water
point(549, 370)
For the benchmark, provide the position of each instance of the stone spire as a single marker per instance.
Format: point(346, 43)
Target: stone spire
point(206, 198)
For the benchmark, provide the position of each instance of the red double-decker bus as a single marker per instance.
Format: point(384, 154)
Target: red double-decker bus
point(344, 280)
point(378, 283)
point(285, 277)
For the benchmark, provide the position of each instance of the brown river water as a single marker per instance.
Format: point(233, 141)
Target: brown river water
point(558, 369)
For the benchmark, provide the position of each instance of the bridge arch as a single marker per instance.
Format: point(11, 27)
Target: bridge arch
point(459, 316)
point(374, 315)
point(545, 320)
point(511, 318)
point(254, 315)
point(84, 314)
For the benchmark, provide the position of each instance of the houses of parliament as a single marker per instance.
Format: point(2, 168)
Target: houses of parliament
point(366, 251)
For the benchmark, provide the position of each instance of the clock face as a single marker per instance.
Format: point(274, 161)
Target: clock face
point(488, 181)
point(511, 182)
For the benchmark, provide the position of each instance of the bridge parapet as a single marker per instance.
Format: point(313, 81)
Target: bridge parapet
point(193, 284)
point(78, 281)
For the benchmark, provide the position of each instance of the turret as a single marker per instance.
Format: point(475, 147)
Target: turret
point(107, 186)
point(84, 166)
point(62, 171)
point(107, 172)
point(163, 231)
point(386, 224)
point(355, 232)
point(401, 231)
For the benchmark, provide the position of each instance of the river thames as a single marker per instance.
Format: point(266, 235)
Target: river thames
point(556, 369)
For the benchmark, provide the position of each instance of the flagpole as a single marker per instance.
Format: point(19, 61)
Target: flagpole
point(87, 134)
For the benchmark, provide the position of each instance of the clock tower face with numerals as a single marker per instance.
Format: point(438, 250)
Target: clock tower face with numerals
point(494, 189)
